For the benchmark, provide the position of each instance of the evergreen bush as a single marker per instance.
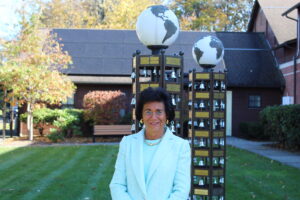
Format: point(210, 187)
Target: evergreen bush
point(282, 124)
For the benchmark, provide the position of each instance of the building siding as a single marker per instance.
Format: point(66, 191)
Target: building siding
point(242, 113)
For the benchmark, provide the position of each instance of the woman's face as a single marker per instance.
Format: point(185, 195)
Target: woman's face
point(154, 116)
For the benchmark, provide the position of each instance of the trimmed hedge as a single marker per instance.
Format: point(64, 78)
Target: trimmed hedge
point(282, 124)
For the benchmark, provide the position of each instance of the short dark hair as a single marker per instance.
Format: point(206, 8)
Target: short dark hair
point(155, 95)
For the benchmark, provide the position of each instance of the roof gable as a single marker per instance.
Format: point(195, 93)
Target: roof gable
point(283, 28)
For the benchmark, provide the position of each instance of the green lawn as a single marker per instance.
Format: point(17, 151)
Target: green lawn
point(84, 172)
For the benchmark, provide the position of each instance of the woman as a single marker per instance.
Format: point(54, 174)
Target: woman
point(152, 164)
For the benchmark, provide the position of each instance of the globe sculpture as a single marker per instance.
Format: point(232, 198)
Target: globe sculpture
point(157, 27)
point(208, 51)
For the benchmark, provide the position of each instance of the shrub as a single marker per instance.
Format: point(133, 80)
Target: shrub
point(41, 117)
point(282, 124)
point(253, 130)
point(55, 135)
point(103, 107)
point(68, 121)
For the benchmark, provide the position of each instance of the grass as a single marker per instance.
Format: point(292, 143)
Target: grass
point(84, 172)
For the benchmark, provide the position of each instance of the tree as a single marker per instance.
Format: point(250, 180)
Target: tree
point(105, 14)
point(213, 15)
point(31, 68)
point(123, 14)
point(71, 13)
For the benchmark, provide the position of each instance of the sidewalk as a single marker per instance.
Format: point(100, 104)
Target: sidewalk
point(285, 157)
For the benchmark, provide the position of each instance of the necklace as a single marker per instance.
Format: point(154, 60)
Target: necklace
point(155, 143)
point(151, 144)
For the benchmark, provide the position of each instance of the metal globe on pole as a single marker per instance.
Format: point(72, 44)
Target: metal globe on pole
point(157, 28)
point(207, 121)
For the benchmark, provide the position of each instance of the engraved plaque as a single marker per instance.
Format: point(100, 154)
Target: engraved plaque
point(202, 76)
point(172, 61)
point(154, 60)
point(173, 87)
point(202, 133)
point(203, 153)
point(144, 60)
point(201, 172)
point(202, 95)
point(201, 192)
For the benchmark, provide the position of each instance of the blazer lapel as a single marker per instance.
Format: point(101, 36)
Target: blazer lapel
point(137, 160)
point(161, 153)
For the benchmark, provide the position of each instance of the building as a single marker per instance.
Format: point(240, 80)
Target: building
point(281, 34)
point(102, 61)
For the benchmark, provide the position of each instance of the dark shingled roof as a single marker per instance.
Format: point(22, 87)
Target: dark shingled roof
point(108, 52)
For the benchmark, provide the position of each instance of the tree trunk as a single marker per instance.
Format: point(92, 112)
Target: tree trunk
point(30, 121)
point(11, 121)
point(4, 114)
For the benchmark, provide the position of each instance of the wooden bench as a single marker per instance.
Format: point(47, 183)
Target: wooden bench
point(101, 130)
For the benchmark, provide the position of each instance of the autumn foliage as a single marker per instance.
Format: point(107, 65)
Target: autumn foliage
point(103, 107)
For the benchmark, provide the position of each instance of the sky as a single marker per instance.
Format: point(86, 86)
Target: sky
point(8, 18)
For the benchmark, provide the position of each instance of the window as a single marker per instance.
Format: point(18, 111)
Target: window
point(69, 103)
point(254, 101)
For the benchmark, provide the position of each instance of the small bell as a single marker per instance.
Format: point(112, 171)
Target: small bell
point(133, 127)
point(216, 85)
point(173, 74)
point(166, 77)
point(190, 103)
point(222, 161)
point(173, 127)
point(215, 180)
point(222, 105)
point(221, 180)
point(222, 142)
point(215, 161)
point(215, 123)
point(173, 101)
point(178, 74)
point(145, 72)
point(216, 105)
point(201, 104)
point(202, 143)
point(195, 86)
point(190, 122)
point(195, 105)
point(202, 86)
point(201, 124)
point(133, 101)
point(195, 123)
point(154, 71)
point(216, 141)
point(190, 84)
point(223, 86)
point(201, 162)
point(133, 75)
point(201, 181)
point(222, 123)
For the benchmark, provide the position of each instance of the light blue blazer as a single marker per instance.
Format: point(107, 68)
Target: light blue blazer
point(169, 176)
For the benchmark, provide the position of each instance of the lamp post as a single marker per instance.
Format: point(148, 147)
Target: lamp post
point(157, 27)
point(207, 121)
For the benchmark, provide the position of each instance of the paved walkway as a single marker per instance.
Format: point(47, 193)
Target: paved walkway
point(285, 157)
